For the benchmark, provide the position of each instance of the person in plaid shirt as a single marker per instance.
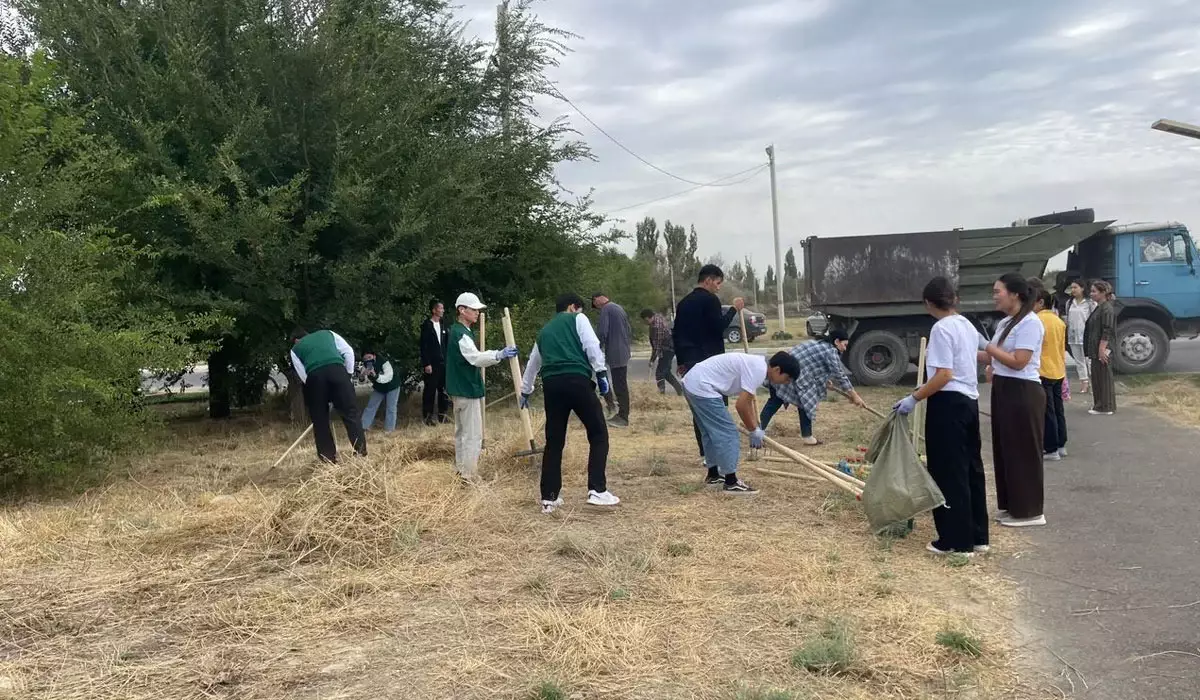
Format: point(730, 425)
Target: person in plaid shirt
point(820, 363)
point(662, 349)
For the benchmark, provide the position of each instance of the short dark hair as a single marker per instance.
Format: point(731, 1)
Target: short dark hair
point(298, 332)
point(434, 303)
point(834, 335)
point(563, 301)
point(710, 272)
point(940, 293)
point(647, 313)
point(786, 364)
point(1047, 298)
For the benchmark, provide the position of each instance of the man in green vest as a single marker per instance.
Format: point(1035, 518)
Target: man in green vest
point(464, 383)
point(385, 382)
point(566, 354)
point(324, 362)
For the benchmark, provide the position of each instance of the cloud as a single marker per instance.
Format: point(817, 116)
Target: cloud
point(886, 117)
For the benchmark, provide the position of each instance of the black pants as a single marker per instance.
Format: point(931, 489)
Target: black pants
point(434, 397)
point(1018, 427)
point(1056, 419)
point(618, 398)
point(563, 395)
point(956, 466)
point(326, 385)
point(663, 374)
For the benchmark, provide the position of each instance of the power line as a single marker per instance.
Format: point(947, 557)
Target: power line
point(558, 93)
point(752, 172)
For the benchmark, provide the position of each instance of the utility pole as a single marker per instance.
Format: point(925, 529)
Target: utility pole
point(775, 226)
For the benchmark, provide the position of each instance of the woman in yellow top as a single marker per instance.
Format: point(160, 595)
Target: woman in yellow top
point(1053, 371)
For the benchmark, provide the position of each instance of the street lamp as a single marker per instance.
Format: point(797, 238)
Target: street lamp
point(1178, 128)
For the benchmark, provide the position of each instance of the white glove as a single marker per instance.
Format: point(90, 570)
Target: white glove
point(756, 438)
point(905, 405)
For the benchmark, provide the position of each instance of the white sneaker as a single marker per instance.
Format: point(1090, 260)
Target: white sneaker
point(932, 549)
point(983, 548)
point(1062, 452)
point(602, 499)
point(1001, 515)
point(549, 507)
point(1024, 522)
point(1051, 457)
point(1094, 412)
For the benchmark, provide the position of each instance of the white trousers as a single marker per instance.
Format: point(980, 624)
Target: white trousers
point(1081, 362)
point(468, 434)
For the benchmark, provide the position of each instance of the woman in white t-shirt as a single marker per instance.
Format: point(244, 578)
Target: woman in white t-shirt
point(1018, 404)
point(952, 423)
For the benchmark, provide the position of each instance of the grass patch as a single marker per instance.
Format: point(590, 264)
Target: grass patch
point(658, 426)
point(679, 549)
point(960, 642)
point(548, 690)
point(618, 594)
point(1176, 397)
point(831, 652)
point(658, 465)
point(957, 560)
point(764, 694)
point(690, 488)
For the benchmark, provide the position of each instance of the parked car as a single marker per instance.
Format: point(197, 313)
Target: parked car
point(756, 325)
point(816, 325)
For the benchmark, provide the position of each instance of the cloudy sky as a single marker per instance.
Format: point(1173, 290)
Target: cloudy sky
point(887, 115)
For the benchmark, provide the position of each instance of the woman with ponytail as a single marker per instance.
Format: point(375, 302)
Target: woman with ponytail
point(1098, 337)
point(1018, 404)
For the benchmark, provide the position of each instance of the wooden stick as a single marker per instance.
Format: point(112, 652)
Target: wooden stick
point(819, 472)
point(821, 466)
point(289, 450)
point(483, 375)
point(785, 460)
point(497, 402)
point(916, 415)
point(514, 367)
point(790, 475)
point(746, 349)
point(867, 408)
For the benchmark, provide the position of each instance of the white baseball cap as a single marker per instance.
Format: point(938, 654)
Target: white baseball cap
point(470, 301)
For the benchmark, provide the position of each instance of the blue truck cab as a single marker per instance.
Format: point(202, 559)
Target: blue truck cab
point(1152, 267)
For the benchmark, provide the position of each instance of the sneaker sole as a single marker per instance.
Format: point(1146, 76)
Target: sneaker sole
point(740, 493)
point(1010, 523)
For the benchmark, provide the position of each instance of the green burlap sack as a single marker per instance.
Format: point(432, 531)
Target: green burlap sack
point(899, 486)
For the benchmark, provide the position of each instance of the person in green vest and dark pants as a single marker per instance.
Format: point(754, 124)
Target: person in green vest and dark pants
point(566, 354)
point(324, 362)
point(386, 384)
point(464, 383)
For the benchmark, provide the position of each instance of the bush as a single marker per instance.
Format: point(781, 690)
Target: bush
point(960, 642)
point(782, 335)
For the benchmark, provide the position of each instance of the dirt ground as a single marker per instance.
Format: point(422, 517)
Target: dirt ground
point(195, 573)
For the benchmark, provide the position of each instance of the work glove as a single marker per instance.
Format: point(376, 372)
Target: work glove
point(905, 405)
point(509, 352)
point(757, 437)
point(524, 400)
point(602, 382)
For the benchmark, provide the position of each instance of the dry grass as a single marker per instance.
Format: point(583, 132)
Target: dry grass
point(386, 578)
point(1175, 397)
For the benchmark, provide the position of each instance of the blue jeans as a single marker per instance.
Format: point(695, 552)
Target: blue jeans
point(377, 397)
point(772, 406)
point(718, 434)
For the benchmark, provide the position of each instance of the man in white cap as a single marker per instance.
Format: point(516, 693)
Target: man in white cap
point(464, 383)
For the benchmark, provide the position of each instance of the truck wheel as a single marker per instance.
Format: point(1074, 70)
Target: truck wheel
point(1141, 346)
point(878, 358)
point(733, 335)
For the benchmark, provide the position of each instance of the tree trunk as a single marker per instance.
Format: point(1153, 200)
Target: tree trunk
point(297, 411)
point(220, 386)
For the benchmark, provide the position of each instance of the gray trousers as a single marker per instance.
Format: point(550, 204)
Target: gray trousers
point(468, 434)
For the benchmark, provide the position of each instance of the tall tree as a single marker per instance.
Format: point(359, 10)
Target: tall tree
point(769, 280)
point(751, 280)
point(646, 232)
point(789, 265)
point(737, 273)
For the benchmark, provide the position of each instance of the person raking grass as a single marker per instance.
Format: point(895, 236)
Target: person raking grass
point(566, 354)
point(324, 362)
point(820, 363)
point(708, 385)
point(464, 383)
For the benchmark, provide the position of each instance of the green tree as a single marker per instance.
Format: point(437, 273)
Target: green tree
point(789, 265)
point(769, 280)
point(646, 232)
point(79, 326)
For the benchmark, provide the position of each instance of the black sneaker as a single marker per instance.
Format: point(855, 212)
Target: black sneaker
point(714, 480)
point(618, 422)
point(740, 487)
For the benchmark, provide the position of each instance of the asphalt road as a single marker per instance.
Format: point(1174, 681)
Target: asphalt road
point(1185, 357)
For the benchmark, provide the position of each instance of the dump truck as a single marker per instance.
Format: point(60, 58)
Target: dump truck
point(870, 286)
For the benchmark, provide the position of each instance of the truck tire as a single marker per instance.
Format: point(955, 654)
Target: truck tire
point(878, 358)
point(1077, 216)
point(1141, 346)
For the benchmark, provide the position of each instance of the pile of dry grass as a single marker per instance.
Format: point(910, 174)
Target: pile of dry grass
point(1177, 398)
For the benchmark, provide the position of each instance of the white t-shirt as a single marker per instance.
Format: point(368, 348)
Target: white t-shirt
point(726, 375)
point(1026, 335)
point(437, 330)
point(954, 345)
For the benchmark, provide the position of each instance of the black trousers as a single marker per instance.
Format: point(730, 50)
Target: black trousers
point(1056, 419)
point(956, 465)
point(618, 398)
point(663, 374)
point(566, 394)
point(328, 385)
point(1018, 427)
point(434, 397)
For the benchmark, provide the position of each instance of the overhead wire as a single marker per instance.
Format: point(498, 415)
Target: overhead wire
point(752, 173)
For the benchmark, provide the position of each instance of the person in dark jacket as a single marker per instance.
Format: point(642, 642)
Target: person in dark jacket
point(699, 331)
point(434, 401)
point(616, 337)
point(324, 361)
point(385, 382)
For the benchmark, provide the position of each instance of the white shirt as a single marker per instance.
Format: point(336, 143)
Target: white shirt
point(1077, 316)
point(587, 338)
point(1026, 335)
point(437, 330)
point(954, 345)
point(343, 349)
point(726, 375)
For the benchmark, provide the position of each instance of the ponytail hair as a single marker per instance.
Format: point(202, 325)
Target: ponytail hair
point(941, 294)
point(1019, 287)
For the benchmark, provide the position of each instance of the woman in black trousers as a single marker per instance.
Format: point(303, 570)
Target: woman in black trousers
point(1098, 337)
point(952, 424)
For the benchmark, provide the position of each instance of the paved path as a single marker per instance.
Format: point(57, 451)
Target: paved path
point(1122, 547)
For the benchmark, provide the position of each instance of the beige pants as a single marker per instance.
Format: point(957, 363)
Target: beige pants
point(468, 434)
